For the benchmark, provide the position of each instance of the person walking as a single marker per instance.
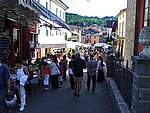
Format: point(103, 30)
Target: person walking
point(63, 65)
point(22, 76)
point(102, 70)
point(70, 71)
point(91, 72)
point(4, 81)
point(45, 72)
point(55, 73)
point(78, 66)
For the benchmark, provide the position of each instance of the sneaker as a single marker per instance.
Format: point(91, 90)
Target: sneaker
point(21, 108)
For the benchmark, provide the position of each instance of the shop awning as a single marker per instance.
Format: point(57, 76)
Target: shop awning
point(52, 45)
point(37, 7)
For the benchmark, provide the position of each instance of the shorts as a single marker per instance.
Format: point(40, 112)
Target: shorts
point(78, 79)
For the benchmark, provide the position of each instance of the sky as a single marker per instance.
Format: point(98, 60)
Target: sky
point(98, 8)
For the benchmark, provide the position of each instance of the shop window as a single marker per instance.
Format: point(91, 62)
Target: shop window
point(35, 38)
point(32, 37)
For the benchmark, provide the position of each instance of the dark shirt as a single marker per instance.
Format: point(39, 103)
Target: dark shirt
point(4, 76)
point(78, 65)
point(63, 63)
point(71, 64)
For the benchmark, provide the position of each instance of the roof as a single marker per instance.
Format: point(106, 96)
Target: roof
point(90, 31)
point(121, 12)
point(61, 4)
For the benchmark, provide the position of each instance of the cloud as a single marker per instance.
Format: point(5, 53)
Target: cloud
point(96, 7)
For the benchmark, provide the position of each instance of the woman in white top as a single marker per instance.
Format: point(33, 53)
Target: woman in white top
point(55, 73)
point(22, 76)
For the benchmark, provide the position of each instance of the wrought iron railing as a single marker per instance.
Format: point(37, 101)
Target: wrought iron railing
point(123, 76)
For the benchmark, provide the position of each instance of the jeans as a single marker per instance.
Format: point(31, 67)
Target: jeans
point(46, 80)
point(93, 81)
point(22, 94)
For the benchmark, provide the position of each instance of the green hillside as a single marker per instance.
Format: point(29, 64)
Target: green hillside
point(75, 19)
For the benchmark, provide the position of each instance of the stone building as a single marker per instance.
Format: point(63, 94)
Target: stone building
point(137, 18)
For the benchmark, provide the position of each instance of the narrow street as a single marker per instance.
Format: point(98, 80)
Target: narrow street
point(63, 101)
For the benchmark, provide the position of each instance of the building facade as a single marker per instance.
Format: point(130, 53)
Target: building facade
point(18, 21)
point(138, 16)
point(121, 32)
point(52, 35)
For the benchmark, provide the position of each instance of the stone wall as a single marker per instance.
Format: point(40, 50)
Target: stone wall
point(141, 85)
point(130, 31)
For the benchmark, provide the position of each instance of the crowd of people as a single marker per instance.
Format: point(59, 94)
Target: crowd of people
point(53, 74)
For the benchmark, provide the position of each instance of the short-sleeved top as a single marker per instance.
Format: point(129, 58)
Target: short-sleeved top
point(78, 66)
point(4, 76)
point(92, 67)
point(54, 69)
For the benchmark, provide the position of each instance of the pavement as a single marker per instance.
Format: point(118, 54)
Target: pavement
point(63, 101)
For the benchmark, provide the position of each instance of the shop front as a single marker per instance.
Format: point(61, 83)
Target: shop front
point(16, 23)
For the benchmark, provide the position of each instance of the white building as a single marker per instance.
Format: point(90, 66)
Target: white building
point(51, 31)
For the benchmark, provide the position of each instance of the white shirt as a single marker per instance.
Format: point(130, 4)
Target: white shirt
point(21, 76)
point(54, 69)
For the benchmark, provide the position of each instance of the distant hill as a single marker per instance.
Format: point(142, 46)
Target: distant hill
point(75, 19)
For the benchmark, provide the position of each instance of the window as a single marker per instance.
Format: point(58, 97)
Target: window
point(122, 29)
point(56, 32)
point(60, 33)
point(46, 32)
point(146, 12)
point(119, 29)
point(46, 5)
point(63, 15)
point(38, 31)
point(56, 11)
point(60, 13)
point(50, 33)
